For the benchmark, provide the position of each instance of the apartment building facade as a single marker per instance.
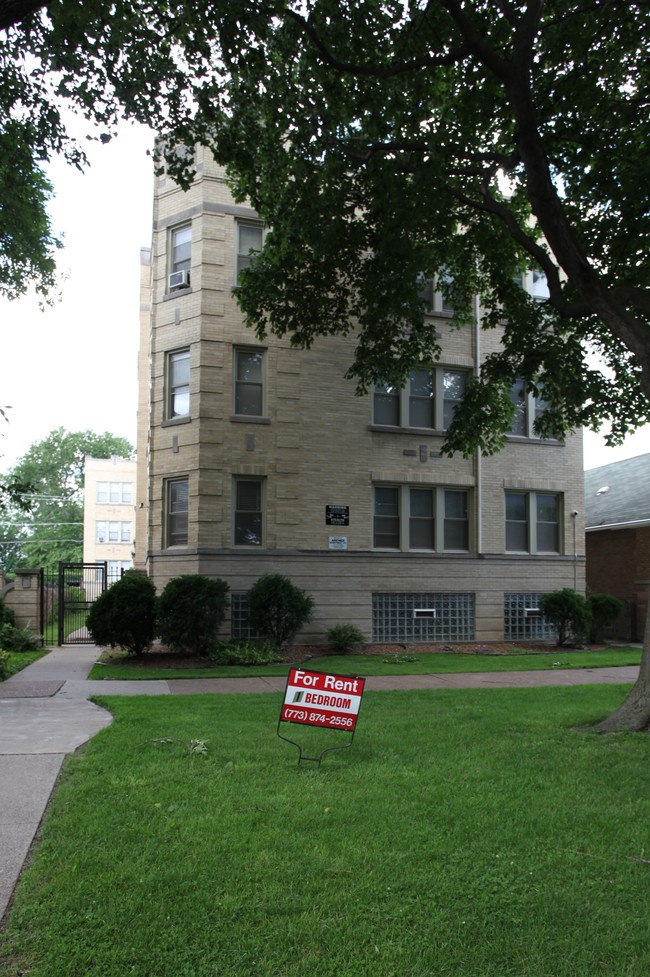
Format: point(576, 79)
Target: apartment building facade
point(261, 458)
point(109, 513)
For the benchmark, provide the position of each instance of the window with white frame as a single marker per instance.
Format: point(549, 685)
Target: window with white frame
point(178, 384)
point(115, 493)
point(180, 256)
point(433, 294)
point(249, 382)
point(112, 531)
point(528, 409)
point(428, 400)
point(533, 522)
point(116, 568)
point(176, 511)
point(408, 517)
point(247, 511)
point(250, 238)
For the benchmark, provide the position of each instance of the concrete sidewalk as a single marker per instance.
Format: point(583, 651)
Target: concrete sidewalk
point(45, 714)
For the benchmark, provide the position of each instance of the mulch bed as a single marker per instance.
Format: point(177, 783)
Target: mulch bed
point(161, 657)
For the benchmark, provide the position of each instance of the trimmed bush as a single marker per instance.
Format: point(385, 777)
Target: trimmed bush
point(6, 614)
point(569, 613)
point(124, 616)
point(245, 653)
point(191, 609)
point(18, 639)
point(604, 609)
point(4, 665)
point(277, 608)
point(343, 638)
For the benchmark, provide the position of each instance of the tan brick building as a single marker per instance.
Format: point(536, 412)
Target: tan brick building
point(109, 513)
point(261, 458)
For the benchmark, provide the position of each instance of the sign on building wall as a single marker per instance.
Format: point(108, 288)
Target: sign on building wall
point(337, 542)
point(337, 515)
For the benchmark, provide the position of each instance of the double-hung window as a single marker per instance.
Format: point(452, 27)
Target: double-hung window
point(410, 517)
point(249, 382)
point(248, 511)
point(180, 256)
point(533, 522)
point(433, 294)
point(178, 384)
point(528, 409)
point(428, 400)
point(177, 511)
point(250, 238)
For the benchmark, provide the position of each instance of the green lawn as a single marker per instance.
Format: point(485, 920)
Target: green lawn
point(465, 834)
point(406, 664)
point(21, 659)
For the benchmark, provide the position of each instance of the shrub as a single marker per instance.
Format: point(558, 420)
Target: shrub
point(604, 611)
point(124, 616)
point(191, 609)
point(569, 613)
point(6, 614)
point(17, 639)
point(343, 638)
point(245, 653)
point(4, 665)
point(277, 608)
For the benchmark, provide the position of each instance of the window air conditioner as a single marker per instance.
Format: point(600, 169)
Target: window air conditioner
point(179, 279)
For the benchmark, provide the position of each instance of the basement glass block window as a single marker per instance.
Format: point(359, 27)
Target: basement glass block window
point(522, 620)
point(422, 618)
point(240, 628)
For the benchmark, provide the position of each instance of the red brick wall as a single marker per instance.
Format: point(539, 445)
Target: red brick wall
point(618, 563)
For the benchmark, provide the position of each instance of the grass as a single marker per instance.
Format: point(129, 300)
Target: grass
point(21, 659)
point(465, 834)
point(424, 664)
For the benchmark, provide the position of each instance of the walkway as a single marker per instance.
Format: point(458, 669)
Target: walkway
point(45, 714)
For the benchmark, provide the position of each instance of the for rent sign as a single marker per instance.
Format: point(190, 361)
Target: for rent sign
point(317, 699)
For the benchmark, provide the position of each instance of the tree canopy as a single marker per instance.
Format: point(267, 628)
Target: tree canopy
point(384, 143)
point(53, 473)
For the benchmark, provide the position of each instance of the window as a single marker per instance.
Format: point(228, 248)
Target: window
point(115, 493)
point(181, 249)
point(416, 518)
point(112, 532)
point(249, 384)
point(116, 568)
point(532, 522)
point(177, 509)
point(432, 297)
point(248, 512)
point(422, 617)
point(178, 384)
point(427, 401)
point(528, 409)
point(250, 238)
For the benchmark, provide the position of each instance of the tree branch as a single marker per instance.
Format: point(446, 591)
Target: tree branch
point(14, 11)
point(369, 70)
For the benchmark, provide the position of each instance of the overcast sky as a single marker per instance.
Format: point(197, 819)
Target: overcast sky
point(75, 364)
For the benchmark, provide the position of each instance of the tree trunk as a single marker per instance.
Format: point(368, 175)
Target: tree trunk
point(634, 712)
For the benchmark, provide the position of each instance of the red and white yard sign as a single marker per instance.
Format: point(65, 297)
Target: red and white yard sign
point(317, 699)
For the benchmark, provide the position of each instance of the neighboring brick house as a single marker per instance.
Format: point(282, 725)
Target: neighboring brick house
point(109, 513)
point(261, 458)
point(617, 507)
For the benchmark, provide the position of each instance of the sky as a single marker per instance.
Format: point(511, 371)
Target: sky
point(74, 365)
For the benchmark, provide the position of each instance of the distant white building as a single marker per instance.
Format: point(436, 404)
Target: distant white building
point(109, 513)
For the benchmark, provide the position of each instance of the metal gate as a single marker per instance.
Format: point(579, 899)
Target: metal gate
point(80, 584)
